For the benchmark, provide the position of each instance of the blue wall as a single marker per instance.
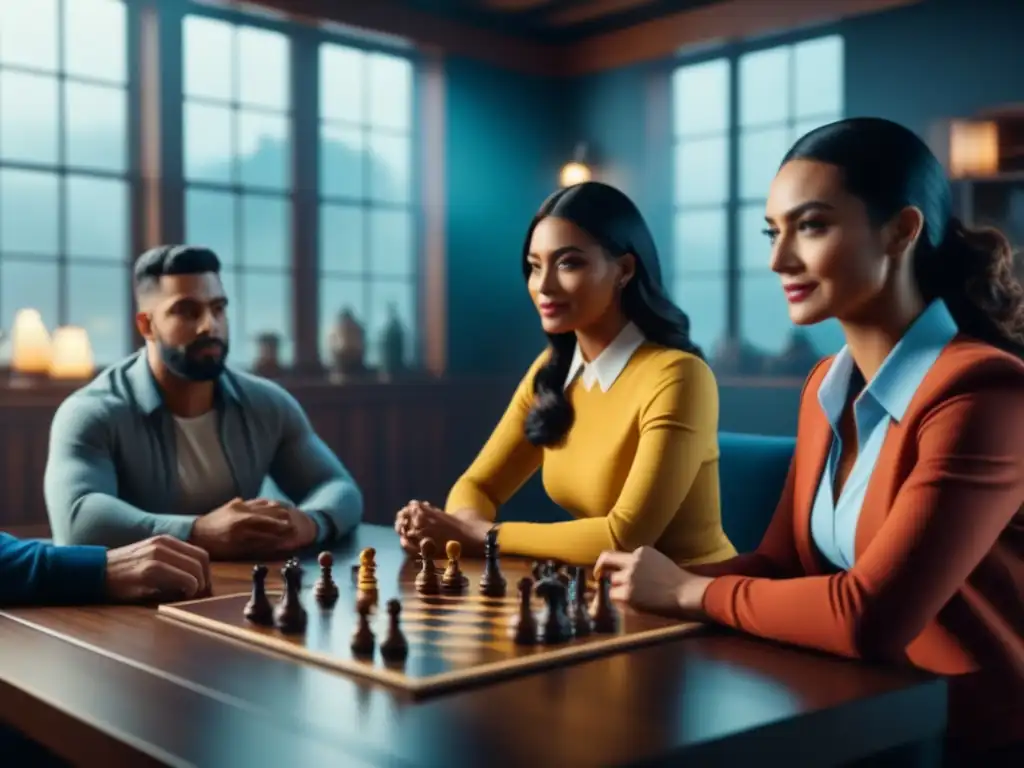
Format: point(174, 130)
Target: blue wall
point(504, 148)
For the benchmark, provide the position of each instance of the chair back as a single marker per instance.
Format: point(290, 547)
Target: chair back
point(752, 472)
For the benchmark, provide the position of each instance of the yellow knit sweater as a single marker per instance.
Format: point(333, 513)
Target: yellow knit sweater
point(638, 467)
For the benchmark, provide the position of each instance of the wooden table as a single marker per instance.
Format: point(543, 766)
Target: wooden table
point(110, 686)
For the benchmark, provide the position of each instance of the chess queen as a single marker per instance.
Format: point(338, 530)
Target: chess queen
point(620, 412)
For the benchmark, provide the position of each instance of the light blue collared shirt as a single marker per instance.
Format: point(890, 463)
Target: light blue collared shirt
point(883, 401)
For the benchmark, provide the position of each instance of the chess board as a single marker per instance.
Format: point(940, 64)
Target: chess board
point(455, 641)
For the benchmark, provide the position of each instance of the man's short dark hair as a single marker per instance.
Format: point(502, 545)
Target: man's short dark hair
point(172, 260)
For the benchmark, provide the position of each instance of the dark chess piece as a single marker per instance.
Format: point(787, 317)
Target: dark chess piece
point(289, 615)
point(363, 640)
point(258, 610)
point(603, 612)
point(555, 626)
point(538, 570)
point(395, 647)
point(525, 622)
point(492, 582)
point(325, 590)
point(454, 581)
point(427, 580)
point(579, 617)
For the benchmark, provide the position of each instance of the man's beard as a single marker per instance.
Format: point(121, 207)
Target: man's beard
point(187, 362)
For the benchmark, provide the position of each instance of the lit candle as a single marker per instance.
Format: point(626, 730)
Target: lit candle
point(31, 348)
point(72, 354)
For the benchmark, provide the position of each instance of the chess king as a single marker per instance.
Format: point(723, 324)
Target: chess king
point(173, 441)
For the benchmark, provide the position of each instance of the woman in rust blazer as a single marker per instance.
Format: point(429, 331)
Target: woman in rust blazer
point(900, 532)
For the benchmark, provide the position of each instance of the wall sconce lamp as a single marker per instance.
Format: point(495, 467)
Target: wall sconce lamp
point(31, 349)
point(72, 354)
point(576, 171)
point(973, 148)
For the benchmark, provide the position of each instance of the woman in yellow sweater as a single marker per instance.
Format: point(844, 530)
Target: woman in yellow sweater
point(621, 411)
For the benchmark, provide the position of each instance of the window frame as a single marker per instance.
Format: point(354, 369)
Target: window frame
point(735, 202)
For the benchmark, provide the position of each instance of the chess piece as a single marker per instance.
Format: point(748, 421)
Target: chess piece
point(603, 613)
point(325, 590)
point(538, 570)
point(492, 582)
point(525, 627)
point(289, 615)
point(579, 617)
point(394, 647)
point(453, 581)
point(363, 640)
point(367, 570)
point(555, 626)
point(258, 610)
point(427, 580)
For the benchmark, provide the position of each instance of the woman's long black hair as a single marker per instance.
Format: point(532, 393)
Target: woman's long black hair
point(611, 218)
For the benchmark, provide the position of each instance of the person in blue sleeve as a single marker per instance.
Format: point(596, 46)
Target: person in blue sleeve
point(173, 441)
point(155, 569)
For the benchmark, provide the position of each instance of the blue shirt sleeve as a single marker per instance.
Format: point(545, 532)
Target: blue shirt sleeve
point(39, 573)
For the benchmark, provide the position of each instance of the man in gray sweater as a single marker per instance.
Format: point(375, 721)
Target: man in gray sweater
point(171, 441)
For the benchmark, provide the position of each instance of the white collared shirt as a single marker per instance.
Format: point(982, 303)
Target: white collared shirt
point(607, 366)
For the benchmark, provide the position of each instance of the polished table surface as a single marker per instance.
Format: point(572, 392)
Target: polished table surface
point(118, 685)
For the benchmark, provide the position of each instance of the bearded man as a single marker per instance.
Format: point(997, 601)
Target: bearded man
point(173, 441)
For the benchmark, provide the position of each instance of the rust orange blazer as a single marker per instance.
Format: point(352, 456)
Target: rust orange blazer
point(938, 580)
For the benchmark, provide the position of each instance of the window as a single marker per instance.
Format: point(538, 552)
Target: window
point(783, 92)
point(237, 157)
point(64, 215)
point(368, 243)
point(701, 194)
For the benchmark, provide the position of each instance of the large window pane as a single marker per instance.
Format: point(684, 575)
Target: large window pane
point(761, 151)
point(700, 241)
point(97, 223)
point(210, 222)
point(266, 308)
point(700, 95)
point(342, 246)
point(208, 143)
point(28, 117)
point(389, 172)
point(765, 87)
point(29, 214)
point(755, 248)
point(85, 22)
point(28, 33)
point(264, 150)
point(208, 56)
point(96, 127)
point(392, 253)
point(392, 299)
point(267, 232)
point(27, 285)
point(390, 86)
point(342, 162)
point(703, 299)
point(336, 296)
point(764, 313)
point(819, 76)
point(98, 301)
point(263, 68)
point(342, 83)
point(702, 171)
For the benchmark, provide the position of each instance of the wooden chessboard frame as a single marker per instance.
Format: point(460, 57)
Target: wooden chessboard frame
point(542, 657)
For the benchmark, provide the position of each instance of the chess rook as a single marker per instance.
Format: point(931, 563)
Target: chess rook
point(367, 581)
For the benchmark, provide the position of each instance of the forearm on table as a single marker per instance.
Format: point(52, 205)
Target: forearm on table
point(35, 572)
point(102, 520)
point(575, 541)
point(336, 507)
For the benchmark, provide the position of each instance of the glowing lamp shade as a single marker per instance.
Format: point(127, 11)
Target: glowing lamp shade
point(574, 173)
point(30, 343)
point(72, 354)
point(973, 148)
